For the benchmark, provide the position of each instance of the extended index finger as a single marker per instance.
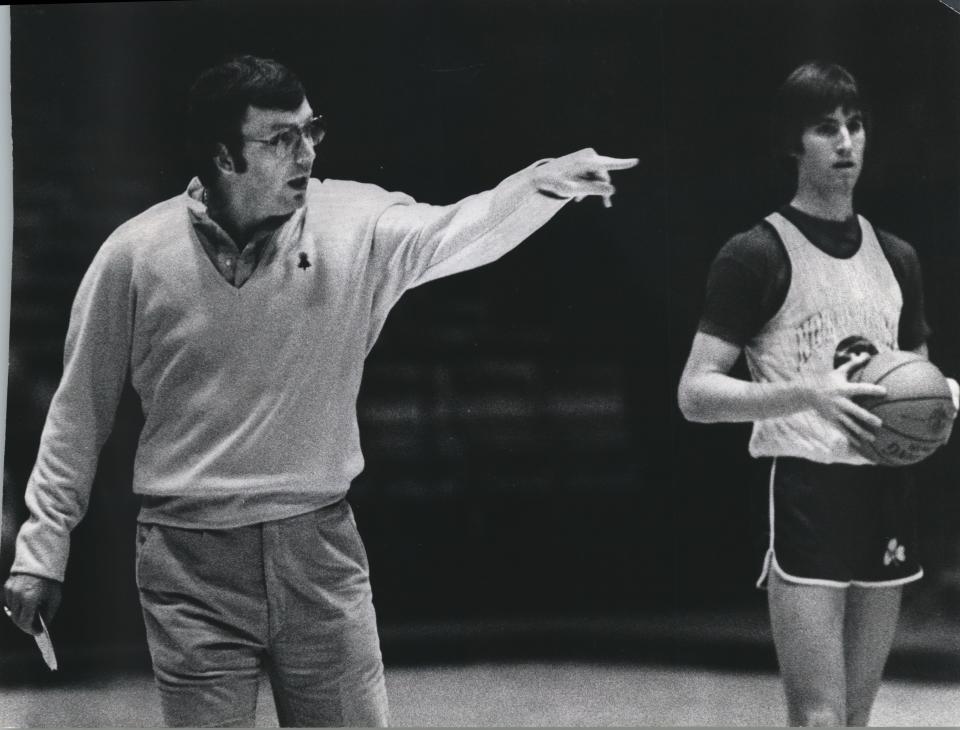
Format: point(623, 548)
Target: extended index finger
point(616, 163)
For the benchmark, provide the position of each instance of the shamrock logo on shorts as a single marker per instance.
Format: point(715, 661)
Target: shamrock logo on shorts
point(896, 553)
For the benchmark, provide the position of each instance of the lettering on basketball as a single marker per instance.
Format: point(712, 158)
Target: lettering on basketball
point(934, 422)
point(938, 419)
point(906, 452)
point(824, 329)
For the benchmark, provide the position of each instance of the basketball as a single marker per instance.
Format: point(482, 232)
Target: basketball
point(917, 411)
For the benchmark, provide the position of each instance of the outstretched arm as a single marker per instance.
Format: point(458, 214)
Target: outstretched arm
point(417, 243)
point(708, 394)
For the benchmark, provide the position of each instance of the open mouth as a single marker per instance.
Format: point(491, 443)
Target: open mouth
point(298, 183)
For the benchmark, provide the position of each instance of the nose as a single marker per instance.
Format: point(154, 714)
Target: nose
point(305, 152)
point(844, 142)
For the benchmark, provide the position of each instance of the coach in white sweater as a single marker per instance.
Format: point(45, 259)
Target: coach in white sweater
point(243, 310)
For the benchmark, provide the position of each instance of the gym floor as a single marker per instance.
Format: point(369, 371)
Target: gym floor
point(692, 669)
point(510, 694)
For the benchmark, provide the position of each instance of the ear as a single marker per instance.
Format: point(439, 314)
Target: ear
point(223, 159)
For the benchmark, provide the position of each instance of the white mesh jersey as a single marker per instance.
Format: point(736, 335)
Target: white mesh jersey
point(829, 300)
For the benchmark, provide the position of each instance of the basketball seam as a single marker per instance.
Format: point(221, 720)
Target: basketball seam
point(896, 367)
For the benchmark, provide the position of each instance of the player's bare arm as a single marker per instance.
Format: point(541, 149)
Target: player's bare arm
point(709, 394)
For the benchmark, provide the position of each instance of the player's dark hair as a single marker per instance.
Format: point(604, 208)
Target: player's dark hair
point(811, 91)
point(218, 101)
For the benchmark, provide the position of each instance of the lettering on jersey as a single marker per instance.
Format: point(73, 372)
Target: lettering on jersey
point(823, 329)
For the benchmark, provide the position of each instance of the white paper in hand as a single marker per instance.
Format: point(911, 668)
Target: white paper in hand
point(45, 644)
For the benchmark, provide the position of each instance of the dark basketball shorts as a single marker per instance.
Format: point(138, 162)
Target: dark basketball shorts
point(842, 524)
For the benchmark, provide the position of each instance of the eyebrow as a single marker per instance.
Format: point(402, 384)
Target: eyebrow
point(281, 126)
point(858, 116)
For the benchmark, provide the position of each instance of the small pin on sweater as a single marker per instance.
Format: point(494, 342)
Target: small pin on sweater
point(304, 262)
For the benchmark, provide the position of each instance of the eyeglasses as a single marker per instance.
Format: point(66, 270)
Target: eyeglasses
point(284, 143)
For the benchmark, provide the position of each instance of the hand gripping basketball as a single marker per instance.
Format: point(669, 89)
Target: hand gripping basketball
point(917, 412)
point(834, 397)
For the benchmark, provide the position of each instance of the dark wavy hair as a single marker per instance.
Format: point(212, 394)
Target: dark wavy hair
point(812, 90)
point(218, 102)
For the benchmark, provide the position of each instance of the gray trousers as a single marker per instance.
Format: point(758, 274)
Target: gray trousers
point(291, 596)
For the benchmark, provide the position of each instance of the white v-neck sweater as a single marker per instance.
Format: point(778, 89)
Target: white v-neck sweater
point(249, 394)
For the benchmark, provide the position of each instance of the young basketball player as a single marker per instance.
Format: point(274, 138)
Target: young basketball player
point(807, 295)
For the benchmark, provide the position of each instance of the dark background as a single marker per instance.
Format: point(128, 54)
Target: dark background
point(526, 461)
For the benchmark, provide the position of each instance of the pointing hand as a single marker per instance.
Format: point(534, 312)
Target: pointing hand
point(580, 174)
